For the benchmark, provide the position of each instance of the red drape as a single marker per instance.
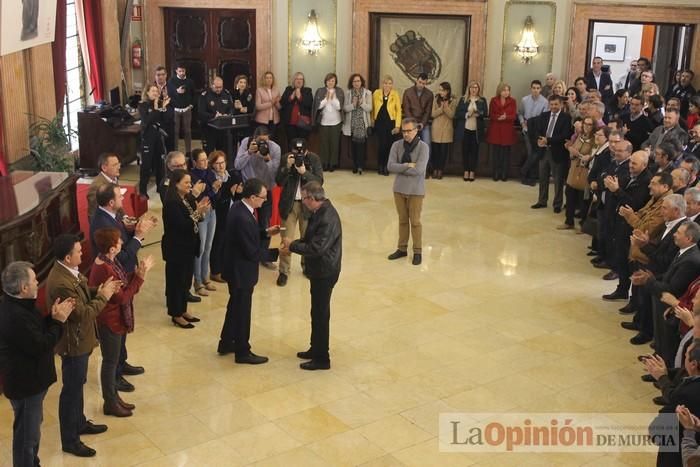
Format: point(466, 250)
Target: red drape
point(3, 164)
point(58, 52)
point(93, 31)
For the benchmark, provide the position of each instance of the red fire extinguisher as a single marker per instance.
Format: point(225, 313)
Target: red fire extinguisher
point(136, 55)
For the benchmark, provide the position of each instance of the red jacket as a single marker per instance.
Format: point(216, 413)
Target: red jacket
point(501, 132)
point(111, 315)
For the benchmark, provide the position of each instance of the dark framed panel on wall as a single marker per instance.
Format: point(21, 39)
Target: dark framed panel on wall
point(405, 45)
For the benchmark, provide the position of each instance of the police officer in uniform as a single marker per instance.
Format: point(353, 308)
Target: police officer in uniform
point(214, 103)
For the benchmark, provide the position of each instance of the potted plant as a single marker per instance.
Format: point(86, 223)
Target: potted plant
point(49, 145)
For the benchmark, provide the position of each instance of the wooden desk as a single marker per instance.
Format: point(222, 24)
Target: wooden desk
point(96, 137)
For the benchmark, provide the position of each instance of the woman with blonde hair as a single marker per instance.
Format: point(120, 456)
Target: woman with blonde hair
point(580, 153)
point(297, 103)
point(267, 103)
point(501, 132)
point(559, 88)
point(471, 111)
point(386, 114)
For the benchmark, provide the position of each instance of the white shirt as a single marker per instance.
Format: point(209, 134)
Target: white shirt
point(692, 218)
point(73, 271)
point(670, 225)
point(330, 111)
point(680, 253)
point(110, 180)
point(252, 211)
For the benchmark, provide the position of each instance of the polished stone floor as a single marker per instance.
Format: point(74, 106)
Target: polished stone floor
point(503, 315)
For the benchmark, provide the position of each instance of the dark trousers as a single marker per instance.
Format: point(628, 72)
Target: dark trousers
point(500, 161)
point(470, 150)
point(384, 141)
point(329, 145)
point(359, 152)
point(71, 415)
point(110, 345)
point(529, 169)
point(151, 164)
point(178, 279)
point(183, 121)
point(236, 328)
point(574, 201)
point(621, 263)
point(558, 170)
point(439, 155)
point(641, 301)
point(321, 290)
point(293, 132)
point(217, 248)
point(26, 429)
point(264, 213)
point(123, 355)
point(666, 336)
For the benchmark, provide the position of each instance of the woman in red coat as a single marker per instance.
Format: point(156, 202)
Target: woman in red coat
point(117, 317)
point(501, 132)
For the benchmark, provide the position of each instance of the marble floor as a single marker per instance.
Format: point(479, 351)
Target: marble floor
point(504, 315)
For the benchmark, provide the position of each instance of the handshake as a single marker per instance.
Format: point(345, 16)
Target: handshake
point(284, 246)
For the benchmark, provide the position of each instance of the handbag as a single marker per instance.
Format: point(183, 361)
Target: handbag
point(578, 176)
point(304, 123)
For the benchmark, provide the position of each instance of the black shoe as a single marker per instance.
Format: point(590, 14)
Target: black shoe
point(124, 386)
point(640, 339)
point(648, 379)
point(610, 276)
point(332, 169)
point(616, 295)
point(598, 260)
point(629, 325)
point(312, 365)
point(282, 279)
point(92, 428)
point(80, 450)
point(305, 355)
point(601, 265)
point(557, 210)
point(225, 348)
point(183, 326)
point(398, 254)
point(193, 298)
point(592, 253)
point(191, 319)
point(626, 310)
point(538, 206)
point(417, 258)
point(660, 400)
point(131, 370)
point(251, 359)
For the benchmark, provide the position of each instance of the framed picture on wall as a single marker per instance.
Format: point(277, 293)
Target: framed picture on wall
point(611, 48)
point(406, 45)
point(26, 24)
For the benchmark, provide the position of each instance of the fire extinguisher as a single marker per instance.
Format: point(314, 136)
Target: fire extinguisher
point(136, 55)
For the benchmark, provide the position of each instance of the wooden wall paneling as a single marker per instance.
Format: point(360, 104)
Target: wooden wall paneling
point(42, 94)
point(154, 28)
point(15, 105)
point(583, 13)
point(477, 37)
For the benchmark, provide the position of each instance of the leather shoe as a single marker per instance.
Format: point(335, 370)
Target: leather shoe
point(640, 339)
point(126, 405)
point(629, 325)
point(80, 450)
point(616, 295)
point(627, 309)
point(92, 428)
point(225, 348)
point(282, 279)
point(116, 409)
point(131, 370)
point(312, 365)
point(611, 276)
point(305, 355)
point(124, 386)
point(565, 227)
point(538, 206)
point(557, 210)
point(397, 254)
point(417, 259)
point(251, 359)
point(660, 400)
point(648, 379)
point(217, 278)
point(193, 298)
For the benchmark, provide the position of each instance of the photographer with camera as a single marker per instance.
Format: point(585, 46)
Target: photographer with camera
point(301, 167)
point(259, 157)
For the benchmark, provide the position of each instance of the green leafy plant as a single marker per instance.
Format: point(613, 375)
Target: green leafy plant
point(49, 145)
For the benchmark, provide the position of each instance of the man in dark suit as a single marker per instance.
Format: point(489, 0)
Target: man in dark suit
point(243, 252)
point(108, 215)
point(693, 147)
point(553, 130)
point(682, 271)
point(599, 80)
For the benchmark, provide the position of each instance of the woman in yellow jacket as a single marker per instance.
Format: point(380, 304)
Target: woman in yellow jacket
point(386, 113)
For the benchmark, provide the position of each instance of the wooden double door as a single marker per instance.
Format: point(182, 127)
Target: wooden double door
point(211, 42)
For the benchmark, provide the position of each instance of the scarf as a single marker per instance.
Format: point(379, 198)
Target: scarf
point(357, 118)
point(126, 310)
point(193, 215)
point(408, 149)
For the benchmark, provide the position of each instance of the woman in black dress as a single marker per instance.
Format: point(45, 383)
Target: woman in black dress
point(152, 109)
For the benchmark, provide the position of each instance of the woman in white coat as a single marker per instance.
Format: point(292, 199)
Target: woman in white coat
point(357, 121)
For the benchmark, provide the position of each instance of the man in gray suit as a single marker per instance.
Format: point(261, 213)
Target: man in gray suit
point(670, 132)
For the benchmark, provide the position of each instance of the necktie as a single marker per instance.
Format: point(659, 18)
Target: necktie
point(255, 214)
point(550, 127)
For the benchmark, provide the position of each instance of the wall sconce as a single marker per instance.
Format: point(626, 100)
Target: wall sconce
point(311, 40)
point(527, 48)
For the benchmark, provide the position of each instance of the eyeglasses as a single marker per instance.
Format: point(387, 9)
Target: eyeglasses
point(408, 131)
point(260, 197)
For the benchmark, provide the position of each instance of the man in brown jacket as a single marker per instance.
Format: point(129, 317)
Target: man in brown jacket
point(418, 104)
point(78, 339)
point(110, 167)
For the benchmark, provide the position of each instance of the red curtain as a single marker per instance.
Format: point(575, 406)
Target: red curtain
point(58, 52)
point(3, 164)
point(93, 31)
